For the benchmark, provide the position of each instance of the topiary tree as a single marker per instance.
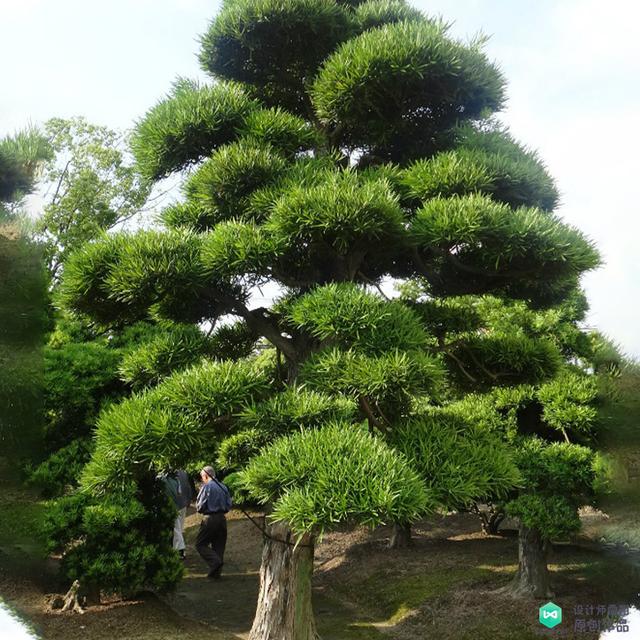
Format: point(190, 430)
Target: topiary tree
point(115, 544)
point(492, 345)
point(341, 145)
point(554, 429)
point(460, 452)
point(558, 479)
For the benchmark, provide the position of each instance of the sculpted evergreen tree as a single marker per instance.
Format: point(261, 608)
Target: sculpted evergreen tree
point(340, 144)
point(550, 421)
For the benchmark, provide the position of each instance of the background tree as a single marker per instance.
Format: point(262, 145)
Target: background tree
point(89, 185)
point(21, 158)
point(23, 297)
point(341, 144)
point(81, 376)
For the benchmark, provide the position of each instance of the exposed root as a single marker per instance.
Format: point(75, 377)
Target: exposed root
point(71, 599)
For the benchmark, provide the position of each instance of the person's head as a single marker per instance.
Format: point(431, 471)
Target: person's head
point(207, 474)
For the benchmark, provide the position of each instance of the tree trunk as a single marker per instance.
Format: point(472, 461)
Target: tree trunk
point(401, 536)
point(533, 575)
point(284, 610)
point(89, 595)
point(491, 525)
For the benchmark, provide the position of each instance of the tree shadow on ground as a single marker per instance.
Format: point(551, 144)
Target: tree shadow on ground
point(445, 586)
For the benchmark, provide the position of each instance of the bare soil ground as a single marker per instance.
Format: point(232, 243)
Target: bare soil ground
point(444, 587)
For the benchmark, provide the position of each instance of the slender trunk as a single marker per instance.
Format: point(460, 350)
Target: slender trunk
point(401, 536)
point(284, 610)
point(533, 575)
point(491, 525)
point(90, 594)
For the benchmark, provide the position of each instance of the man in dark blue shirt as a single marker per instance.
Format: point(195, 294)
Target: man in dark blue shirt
point(213, 502)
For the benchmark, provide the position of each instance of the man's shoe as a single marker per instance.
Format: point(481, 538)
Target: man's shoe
point(215, 574)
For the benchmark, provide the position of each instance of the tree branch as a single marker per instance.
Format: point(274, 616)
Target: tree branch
point(421, 266)
point(62, 175)
point(368, 412)
point(479, 364)
point(262, 322)
point(373, 284)
point(460, 365)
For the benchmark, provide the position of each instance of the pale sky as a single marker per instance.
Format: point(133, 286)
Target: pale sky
point(572, 68)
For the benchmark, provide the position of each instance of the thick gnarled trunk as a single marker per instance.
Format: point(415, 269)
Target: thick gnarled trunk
point(400, 536)
point(532, 579)
point(284, 610)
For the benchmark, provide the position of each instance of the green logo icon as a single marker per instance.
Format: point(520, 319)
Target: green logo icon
point(550, 615)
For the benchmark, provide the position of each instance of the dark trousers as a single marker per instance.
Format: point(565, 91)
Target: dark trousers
point(212, 539)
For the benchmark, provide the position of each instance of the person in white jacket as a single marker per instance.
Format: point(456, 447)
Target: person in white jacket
point(182, 491)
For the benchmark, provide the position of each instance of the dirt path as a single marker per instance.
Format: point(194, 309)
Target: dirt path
point(229, 604)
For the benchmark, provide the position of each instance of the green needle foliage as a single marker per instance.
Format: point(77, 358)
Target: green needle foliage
point(232, 341)
point(374, 13)
point(223, 183)
point(407, 78)
point(505, 359)
point(292, 410)
point(119, 544)
point(340, 473)
point(285, 132)
point(188, 125)
point(346, 315)
point(247, 40)
point(80, 378)
point(153, 361)
point(490, 241)
point(162, 427)
point(238, 250)
point(519, 181)
point(21, 157)
point(558, 478)
point(344, 212)
point(389, 381)
point(460, 457)
point(295, 409)
point(61, 469)
point(236, 450)
point(569, 402)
